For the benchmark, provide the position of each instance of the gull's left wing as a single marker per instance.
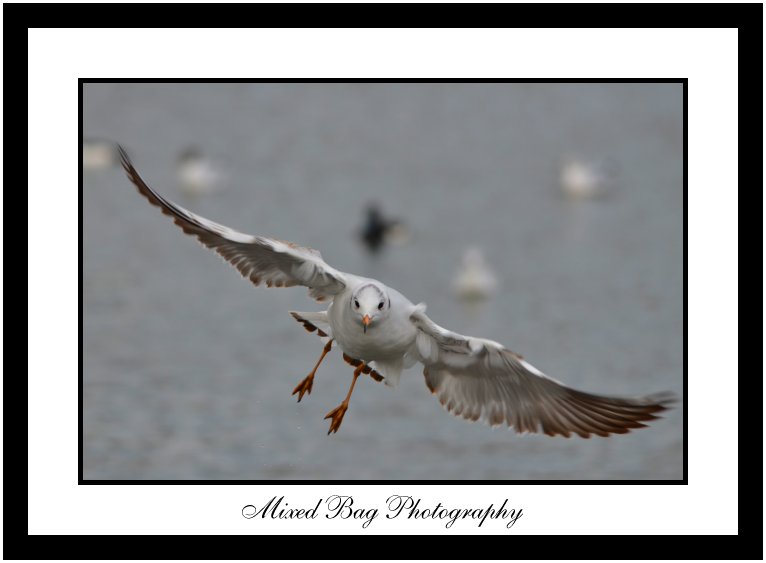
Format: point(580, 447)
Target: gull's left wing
point(479, 379)
point(274, 262)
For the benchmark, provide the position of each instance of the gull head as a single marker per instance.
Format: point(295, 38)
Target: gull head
point(370, 304)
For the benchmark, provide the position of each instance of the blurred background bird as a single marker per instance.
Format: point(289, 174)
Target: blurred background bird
point(580, 179)
point(197, 175)
point(379, 231)
point(98, 154)
point(474, 281)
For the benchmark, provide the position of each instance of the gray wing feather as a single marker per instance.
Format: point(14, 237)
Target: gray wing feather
point(479, 379)
point(270, 261)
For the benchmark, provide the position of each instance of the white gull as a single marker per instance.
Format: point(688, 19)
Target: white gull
point(581, 180)
point(475, 279)
point(197, 175)
point(381, 333)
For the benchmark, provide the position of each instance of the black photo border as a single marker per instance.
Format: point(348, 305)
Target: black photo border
point(746, 18)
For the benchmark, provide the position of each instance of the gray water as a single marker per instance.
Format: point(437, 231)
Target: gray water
point(188, 369)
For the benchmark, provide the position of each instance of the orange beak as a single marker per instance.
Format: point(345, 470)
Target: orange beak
point(366, 320)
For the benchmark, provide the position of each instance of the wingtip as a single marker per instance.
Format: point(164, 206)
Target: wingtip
point(124, 158)
point(664, 399)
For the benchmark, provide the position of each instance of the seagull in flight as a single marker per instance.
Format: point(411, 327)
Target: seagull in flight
point(381, 333)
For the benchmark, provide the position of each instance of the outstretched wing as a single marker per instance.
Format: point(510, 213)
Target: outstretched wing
point(479, 379)
point(273, 262)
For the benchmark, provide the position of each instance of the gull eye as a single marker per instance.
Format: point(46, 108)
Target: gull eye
point(380, 306)
point(356, 303)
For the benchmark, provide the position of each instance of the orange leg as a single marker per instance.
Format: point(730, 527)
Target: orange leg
point(305, 385)
point(337, 413)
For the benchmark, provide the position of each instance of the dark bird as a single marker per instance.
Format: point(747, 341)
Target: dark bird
point(378, 231)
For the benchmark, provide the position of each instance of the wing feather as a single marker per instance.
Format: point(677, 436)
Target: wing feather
point(262, 260)
point(480, 379)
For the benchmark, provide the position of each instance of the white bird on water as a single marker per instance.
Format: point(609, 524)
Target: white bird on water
point(381, 333)
point(474, 280)
point(197, 175)
point(98, 154)
point(580, 179)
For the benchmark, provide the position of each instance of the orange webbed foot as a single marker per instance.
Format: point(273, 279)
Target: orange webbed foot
point(337, 417)
point(304, 387)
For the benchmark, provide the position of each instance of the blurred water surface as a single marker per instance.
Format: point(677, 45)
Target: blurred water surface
point(188, 369)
